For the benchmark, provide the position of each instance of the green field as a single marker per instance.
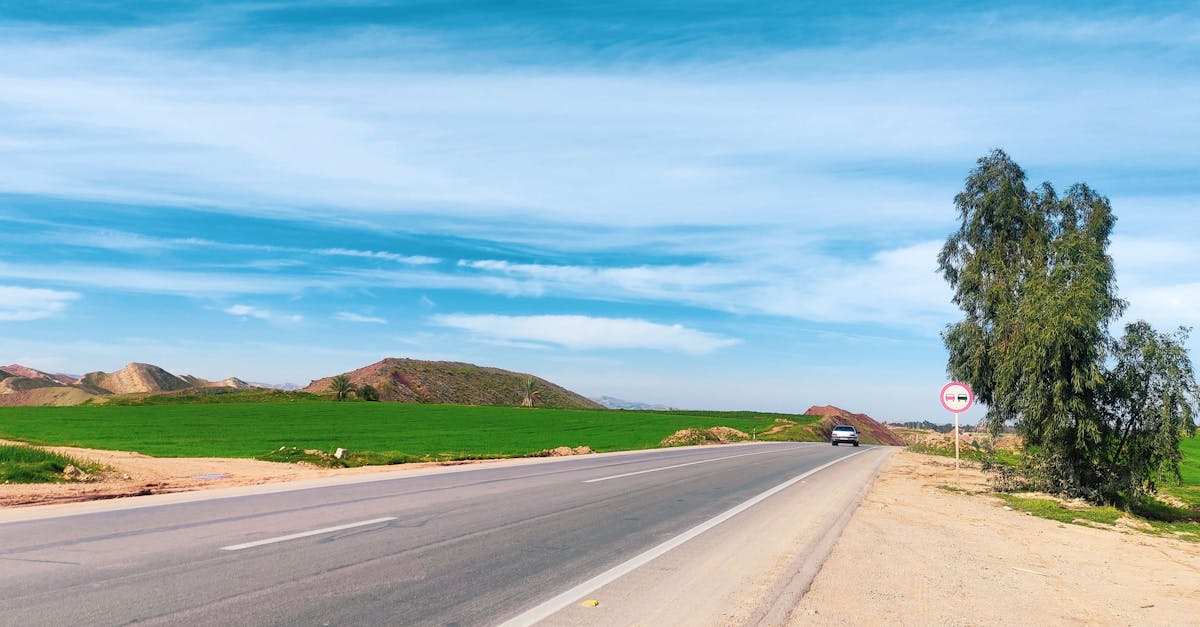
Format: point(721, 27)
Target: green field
point(22, 464)
point(1190, 468)
point(255, 429)
point(1180, 520)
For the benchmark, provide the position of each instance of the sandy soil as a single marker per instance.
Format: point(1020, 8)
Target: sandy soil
point(915, 554)
point(134, 474)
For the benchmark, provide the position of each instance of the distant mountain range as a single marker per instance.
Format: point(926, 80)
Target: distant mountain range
point(286, 387)
point(397, 380)
point(21, 385)
point(620, 403)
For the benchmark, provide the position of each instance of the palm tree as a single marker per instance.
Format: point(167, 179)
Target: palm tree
point(341, 386)
point(530, 392)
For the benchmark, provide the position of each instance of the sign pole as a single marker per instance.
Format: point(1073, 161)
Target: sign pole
point(956, 473)
point(956, 397)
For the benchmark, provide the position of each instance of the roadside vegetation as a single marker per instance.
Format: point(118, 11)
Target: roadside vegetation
point(26, 464)
point(1172, 511)
point(1101, 418)
point(375, 432)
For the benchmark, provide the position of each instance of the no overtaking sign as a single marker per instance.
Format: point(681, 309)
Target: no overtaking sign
point(957, 397)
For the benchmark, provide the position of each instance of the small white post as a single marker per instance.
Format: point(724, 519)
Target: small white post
point(956, 479)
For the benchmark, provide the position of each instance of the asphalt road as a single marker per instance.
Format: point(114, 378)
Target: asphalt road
point(464, 548)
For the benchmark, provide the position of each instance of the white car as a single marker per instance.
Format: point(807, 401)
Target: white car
point(844, 433)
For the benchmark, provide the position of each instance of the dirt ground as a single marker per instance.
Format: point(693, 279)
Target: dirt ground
point(913, 553)
point(134, 474)
point(916, 554)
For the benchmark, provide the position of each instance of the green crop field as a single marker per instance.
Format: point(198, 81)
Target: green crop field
point(1190, 468)
point(22, 464)
point(255, 429)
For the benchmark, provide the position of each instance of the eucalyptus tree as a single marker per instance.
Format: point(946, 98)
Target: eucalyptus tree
point(1031, 272)
point(1151, 401)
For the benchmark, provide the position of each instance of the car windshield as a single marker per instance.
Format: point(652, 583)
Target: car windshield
point(843, 428)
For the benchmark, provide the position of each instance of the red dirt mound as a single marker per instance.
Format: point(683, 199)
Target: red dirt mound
point(869, 429)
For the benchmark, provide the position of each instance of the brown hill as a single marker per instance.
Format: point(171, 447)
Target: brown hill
point(20, 385)
point(231, 382)
point(24, 371)
point(870, 431)
point(134, 378)
point(56, 395)
point(416, 381)
point(13, 384)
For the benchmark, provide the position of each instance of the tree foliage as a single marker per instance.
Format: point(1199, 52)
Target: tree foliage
point(529, 393)
point(341, 386)
point(368, 392)
point(1151, 400)
point(1031, 272)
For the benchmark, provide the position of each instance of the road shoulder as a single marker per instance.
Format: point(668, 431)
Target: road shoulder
point(750, 569)
point(916, 553)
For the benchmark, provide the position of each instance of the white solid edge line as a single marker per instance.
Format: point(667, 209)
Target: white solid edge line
point(305, 534)
point(703, 461)
point(549, 607)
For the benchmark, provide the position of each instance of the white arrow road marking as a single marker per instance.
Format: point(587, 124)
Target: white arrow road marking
point(305, 534)
point(703, 461)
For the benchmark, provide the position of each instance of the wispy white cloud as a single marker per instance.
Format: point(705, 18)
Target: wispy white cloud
point(701, 144)
point(246, 311)
point(1179, 31)
point(898, 287)
point(414, 260)
point(587, 332)
point(108, 239)
point(1165, 253)
point(149, 281)
point(22, 303)
point(1165, 306)
point(655, 281)
point(349, 316)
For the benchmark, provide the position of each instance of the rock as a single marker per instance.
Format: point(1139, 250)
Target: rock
point(73, 473)
point(340, 453)
point(715, 435)
point(563, 451)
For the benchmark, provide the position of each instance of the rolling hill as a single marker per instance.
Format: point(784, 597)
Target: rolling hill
point(21, 386)
point(135, 378)
point(17, 370)
point(446, 382)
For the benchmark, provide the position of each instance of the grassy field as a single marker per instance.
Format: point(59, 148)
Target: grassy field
point(1189, 492)
point(22, 464)
point(1158, 516)
point(1190, 468)
point(402, 430)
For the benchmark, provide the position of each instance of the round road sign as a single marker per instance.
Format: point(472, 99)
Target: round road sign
point(957, 397)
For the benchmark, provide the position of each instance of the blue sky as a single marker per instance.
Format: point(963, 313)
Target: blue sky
point(714, 205)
